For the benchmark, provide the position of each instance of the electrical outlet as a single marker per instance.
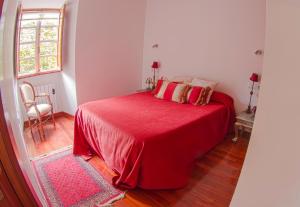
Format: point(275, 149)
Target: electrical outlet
point(53, 91)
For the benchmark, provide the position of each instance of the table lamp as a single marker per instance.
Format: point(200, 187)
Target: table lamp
point(254, 79)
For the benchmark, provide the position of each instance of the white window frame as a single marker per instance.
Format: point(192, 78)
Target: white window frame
point(37, 42)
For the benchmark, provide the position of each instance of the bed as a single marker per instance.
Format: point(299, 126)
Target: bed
point(148, 142)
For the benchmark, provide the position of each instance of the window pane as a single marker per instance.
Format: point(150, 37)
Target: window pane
point(54, 15)
point(27, 51)
point(30, 16)
point(27, 66)
point(27, 35)
point(50, 22)
point(48, 48)
point(48, 63)
point(49, 33)
point(39, 36)
point(28, 23)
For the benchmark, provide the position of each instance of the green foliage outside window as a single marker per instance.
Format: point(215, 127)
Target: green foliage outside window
point(27, 66)
point(39, 39)
point(49, 33)
point(48, 62)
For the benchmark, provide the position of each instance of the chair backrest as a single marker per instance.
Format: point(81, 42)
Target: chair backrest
point(27, 92)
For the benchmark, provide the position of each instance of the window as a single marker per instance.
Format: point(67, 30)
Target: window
point(39, 41)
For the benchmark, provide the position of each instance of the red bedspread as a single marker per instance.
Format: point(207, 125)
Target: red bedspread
point(148, 142)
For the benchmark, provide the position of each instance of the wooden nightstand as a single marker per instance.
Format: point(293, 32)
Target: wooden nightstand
point(244, 122)
point(143, 90)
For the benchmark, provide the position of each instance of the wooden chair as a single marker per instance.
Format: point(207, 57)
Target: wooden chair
point(37, 113)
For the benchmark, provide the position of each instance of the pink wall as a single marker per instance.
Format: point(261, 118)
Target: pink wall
point(270, 175)
point(211, 39)
point(109, 48)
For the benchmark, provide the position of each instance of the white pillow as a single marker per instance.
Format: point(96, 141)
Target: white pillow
point(179, 93)
point(184, 79)
point(205, 83)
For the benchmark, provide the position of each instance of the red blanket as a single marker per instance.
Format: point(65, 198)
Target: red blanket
point(148, 142)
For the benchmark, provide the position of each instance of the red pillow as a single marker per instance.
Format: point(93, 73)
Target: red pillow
point(158, 85)
point(194, 94)
point(169, 91)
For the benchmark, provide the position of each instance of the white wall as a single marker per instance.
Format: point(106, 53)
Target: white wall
point(212, 39)
point(68, 96)
point(270, 175)
point(109, 48)
point(65, 80)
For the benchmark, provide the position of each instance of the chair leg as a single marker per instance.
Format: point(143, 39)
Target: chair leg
point(41, 129)
point(30, 126)
point(53, 120)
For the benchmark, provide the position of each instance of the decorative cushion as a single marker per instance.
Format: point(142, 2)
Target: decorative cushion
point(169, 91)
point(205, 83)
point(158, 85)
point(204, 96)
point(198, 95)
point(193, 95)
point(43, 109)
point(179, 93)
point(185, 93)
point(162, 90)
point(172, 91)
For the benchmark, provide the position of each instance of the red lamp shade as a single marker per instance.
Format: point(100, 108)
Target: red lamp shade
point(254, 77)
point(155, 65)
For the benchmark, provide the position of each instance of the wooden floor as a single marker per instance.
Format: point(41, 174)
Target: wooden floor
point(212, 182)
point(55, 138)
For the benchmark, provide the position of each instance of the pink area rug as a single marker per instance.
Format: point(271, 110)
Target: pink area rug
point(68, 180)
